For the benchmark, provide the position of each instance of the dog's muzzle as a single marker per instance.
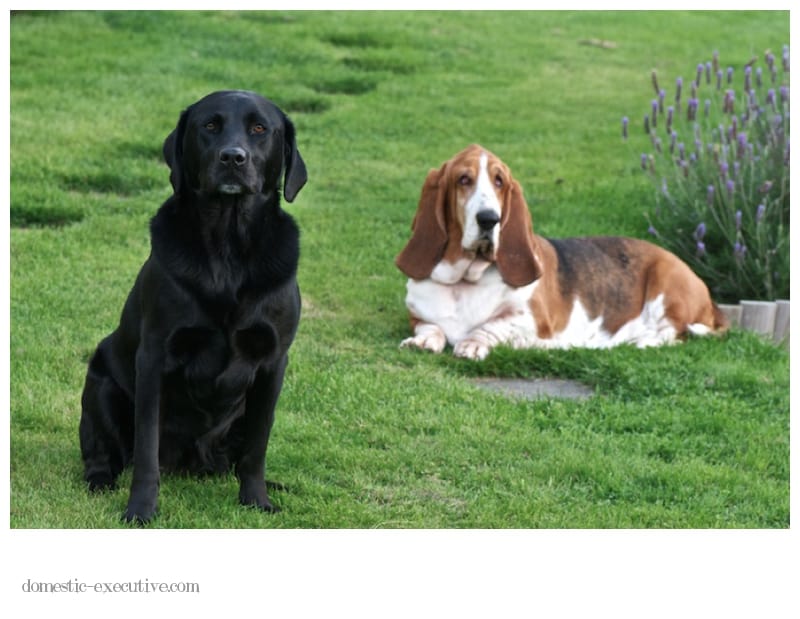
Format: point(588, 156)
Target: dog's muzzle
point(234, 162)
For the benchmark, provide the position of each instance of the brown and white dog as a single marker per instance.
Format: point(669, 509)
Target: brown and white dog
point(480, 277)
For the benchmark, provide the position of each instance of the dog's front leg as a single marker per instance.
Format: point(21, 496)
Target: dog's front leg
point(143, 498)
point(259, 415)
point(516, 330)
point(427, 336)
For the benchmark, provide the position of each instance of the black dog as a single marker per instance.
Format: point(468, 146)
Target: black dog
point(190, 378)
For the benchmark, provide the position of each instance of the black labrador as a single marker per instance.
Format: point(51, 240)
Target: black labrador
point(189, 379)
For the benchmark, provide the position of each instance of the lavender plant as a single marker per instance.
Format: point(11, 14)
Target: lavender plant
point(719, 160)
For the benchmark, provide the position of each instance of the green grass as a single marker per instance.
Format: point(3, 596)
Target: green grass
point(368, 435)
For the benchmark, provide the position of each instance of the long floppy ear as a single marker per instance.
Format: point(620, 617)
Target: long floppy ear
point(516, 252)
point(295, 175)
point(429, 233)
point(173, 152)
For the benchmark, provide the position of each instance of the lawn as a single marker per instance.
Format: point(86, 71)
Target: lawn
point(368, 435)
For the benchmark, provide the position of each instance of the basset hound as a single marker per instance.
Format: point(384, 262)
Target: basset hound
point(480, 277)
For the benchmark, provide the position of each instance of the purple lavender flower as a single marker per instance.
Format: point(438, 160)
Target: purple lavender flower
point(625, 127)
point(719, 79)
point(700, 231)
point(708, 72)
point(646, 124)
point(700, 68)
point(765, 187)
point(738, 219)
point(741, 144)
point(691, 110)
point(727, 105)
point(701, 249)
point(729, 74)
point(654, 110)
point(710, 195)
point(760, 210)
point(670, 112)
point(739, 251)
point(644, 161)
point(678, 87)
point(657, 144)
point(664, 188)
point(661, 94)
point(672, 139)
point(785, 58)
point(770, 58)
point(758, 76)
point(729, 187)
point(651, 230)
point(784, 94)
point(723, 170)
point(706, 108)
point(771, 99)
point(748, 70)
point(681, 151)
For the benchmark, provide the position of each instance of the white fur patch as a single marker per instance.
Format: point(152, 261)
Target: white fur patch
point(483, 198)
point(650, 328)
point(460, 308)
point(450, 273)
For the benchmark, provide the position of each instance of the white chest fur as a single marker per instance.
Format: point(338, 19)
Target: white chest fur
point(458, 309)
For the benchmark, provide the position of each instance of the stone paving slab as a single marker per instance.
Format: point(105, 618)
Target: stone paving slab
point(536, 388)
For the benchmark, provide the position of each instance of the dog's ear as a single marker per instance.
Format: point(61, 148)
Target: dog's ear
point(516, 252)
point(429, 231)
point(173, 152)
point(295, 175)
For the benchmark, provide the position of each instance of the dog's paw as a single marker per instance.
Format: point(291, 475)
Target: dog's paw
point(429, 338)
point(471, 349)
point(255, 495)
point(139, 512)
point(100, 482)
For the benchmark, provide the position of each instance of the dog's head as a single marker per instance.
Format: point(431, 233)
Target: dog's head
point(471, 209)
point(234, 143)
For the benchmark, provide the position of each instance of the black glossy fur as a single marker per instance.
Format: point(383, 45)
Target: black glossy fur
point(189, 379)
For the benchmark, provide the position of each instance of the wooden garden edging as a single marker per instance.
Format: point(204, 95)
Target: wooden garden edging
point(769, 318)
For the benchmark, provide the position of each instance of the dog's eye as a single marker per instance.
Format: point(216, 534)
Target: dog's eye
point(211, 126)
point(464, 180)
point(498, 181)
point(258, 129)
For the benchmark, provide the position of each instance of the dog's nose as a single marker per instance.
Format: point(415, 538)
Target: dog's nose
point(487, 219)
point(233, 155)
